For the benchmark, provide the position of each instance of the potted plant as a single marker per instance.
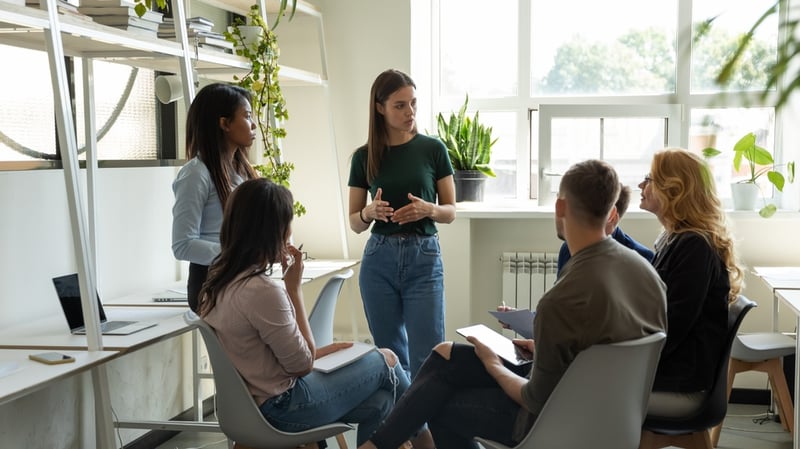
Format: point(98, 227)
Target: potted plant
point(261, 49)
point(760, 162)
point(469, 145)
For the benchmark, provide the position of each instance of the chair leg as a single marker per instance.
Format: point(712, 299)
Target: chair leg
point(341, 441)
point(649, 440)
point(734, 366)
point(781, 391)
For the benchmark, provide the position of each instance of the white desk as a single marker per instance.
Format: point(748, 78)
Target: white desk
point(52, 333)
point(791, 298)
point(313, 269)
point(778, 278)
point(27, 376)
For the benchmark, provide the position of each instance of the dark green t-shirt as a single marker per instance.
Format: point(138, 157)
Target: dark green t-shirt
point(413, 167)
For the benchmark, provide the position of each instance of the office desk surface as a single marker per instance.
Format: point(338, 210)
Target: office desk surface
point(52, 333)
point(312, 269)
point(779, 278)
point(20, 376)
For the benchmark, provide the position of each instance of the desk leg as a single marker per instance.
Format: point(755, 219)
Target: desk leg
point(198, 403)
point(796, 436)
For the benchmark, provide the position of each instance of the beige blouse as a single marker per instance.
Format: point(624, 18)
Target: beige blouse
point(255, 322)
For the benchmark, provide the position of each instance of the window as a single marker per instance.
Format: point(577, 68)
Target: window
point(625, 136)
point(559, 86)
point(125, 108)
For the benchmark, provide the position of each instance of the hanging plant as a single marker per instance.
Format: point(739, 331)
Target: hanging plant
point(257, 43)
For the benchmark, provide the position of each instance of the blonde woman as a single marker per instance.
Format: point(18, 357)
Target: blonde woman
point(695, 258)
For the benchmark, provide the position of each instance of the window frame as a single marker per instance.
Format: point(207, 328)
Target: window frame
point(425, 66)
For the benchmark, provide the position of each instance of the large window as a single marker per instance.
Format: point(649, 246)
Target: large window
point(565, 81)
point(125, 108)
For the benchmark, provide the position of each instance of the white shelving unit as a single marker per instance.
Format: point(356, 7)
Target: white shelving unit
point(63, 35)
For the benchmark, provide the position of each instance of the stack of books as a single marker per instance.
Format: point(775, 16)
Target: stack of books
point(63, 7)
point(121, 14)
point(199, 31)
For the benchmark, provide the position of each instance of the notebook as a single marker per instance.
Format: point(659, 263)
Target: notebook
point(69, 294)
point(498, 342)
point(342, 357)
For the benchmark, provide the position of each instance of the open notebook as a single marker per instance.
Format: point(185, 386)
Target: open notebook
point(338, 359)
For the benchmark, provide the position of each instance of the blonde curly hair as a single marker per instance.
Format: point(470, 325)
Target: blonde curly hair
point(684, 187)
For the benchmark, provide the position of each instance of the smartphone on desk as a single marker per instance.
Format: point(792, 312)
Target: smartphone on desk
point(51, 358)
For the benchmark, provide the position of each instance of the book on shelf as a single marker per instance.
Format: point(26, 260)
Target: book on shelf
point(210, 41)
point(199, 20)
point(107, 3)
point(119, 11)
point(63, 8)
point(171, 33)
point(119, 21)
point(194, 23)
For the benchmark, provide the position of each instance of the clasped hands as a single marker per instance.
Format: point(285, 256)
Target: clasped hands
point(381, 210)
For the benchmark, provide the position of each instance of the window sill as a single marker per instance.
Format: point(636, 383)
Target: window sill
point(531, 210)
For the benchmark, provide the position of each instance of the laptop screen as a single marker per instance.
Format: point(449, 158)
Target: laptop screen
point(69, 294)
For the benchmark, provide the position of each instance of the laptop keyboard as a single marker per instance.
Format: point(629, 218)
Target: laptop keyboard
point(113, 325)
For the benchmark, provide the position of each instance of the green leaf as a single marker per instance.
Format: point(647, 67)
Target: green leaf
point(768, 211)
point(140, 9)
point(711, 152)
point(776, 179)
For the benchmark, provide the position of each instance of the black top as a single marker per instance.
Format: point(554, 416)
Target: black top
point(697, 312)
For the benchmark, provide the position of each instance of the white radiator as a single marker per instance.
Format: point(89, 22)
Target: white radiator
point(526, 276)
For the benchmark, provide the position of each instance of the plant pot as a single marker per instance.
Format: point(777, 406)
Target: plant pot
point(469, 185)
point(745, 195)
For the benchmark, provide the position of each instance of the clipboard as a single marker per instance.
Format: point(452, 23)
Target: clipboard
point(498, 343)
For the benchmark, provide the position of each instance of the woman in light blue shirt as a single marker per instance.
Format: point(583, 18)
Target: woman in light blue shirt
point(219, 129)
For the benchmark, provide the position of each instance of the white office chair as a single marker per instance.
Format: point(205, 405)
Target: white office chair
point(763, 352)
point(239, 417)
point(321, 316)
point(601, 400)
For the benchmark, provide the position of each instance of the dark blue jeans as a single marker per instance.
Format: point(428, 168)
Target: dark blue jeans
point(458, 399)
point(362, 392)
point(402, 286)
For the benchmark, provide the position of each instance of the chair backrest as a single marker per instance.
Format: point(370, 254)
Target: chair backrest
point(715, 404)
point(601, 399)
point(239, 417)
point(321, 316)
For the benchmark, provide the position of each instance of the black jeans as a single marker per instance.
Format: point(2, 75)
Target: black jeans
point(458, 399)
point(197, 275)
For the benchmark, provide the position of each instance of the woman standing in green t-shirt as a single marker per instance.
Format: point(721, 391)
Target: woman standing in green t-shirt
point(405, 173)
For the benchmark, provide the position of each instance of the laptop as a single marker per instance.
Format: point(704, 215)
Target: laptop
point(69, 294)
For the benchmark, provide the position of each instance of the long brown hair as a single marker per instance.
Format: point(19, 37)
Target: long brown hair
point(684, 187)
point(206, 140)
point(254, 230)
point(387, 83)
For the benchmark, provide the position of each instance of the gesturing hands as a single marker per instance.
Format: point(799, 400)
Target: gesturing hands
point(416, 210)
point(381, 209)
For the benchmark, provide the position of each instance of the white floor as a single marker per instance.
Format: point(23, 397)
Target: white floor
point(743, 428)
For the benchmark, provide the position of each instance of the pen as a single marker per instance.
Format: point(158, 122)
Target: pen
point(300, 248)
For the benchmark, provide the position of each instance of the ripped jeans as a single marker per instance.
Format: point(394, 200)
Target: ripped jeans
point(362, 392)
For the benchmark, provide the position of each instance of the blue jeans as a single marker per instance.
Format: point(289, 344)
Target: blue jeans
point(402, 286)
point(362, 392)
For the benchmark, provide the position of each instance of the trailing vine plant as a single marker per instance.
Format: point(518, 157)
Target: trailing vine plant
point(269, 105)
